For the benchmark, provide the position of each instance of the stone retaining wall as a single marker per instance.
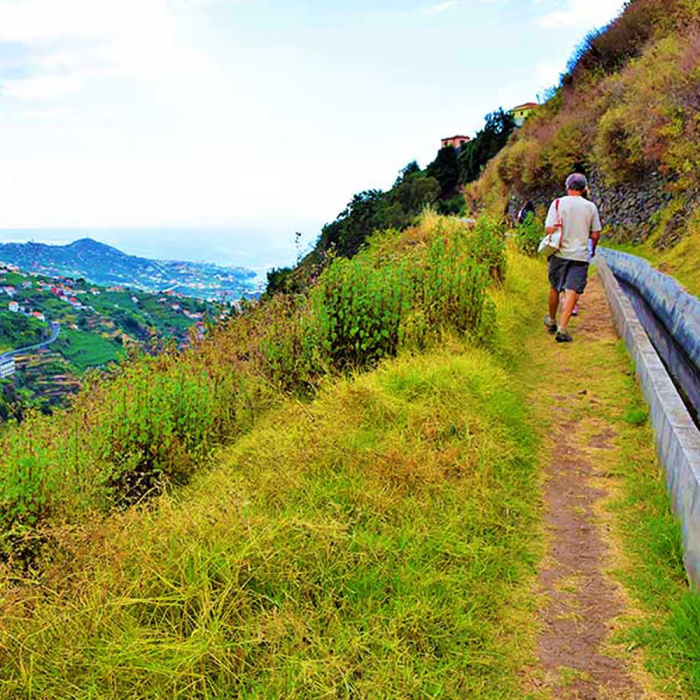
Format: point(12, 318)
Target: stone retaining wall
point(629, 211)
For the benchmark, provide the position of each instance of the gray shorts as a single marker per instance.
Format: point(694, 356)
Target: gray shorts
point(567, 274)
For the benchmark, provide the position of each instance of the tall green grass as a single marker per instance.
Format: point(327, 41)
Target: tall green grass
point(156, 421)
point(377, 543)
point(654, 572)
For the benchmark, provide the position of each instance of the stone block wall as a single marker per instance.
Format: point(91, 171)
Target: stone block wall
point(628, 210)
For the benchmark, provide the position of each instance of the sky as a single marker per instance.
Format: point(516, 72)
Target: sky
point(215, 129)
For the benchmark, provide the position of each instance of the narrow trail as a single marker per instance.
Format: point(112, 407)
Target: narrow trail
point(581, 603)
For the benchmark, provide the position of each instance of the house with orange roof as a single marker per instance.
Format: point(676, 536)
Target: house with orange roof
point(455, 141)
point(522, 112)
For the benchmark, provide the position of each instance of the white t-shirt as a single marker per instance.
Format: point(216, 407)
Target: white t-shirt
point(579, 219)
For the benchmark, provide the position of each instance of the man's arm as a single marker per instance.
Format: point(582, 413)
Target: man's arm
point(596, 228)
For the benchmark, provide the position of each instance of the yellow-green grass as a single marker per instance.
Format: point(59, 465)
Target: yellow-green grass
point(378, 542)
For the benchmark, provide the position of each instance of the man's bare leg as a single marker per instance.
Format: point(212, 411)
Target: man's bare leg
point(553, 304)
point(570, 299)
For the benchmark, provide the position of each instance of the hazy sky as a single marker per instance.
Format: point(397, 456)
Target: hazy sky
point(260, 117)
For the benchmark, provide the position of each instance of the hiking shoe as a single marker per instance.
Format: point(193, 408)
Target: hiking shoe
point(563, 336)
point(575, 310)
point(549, 324)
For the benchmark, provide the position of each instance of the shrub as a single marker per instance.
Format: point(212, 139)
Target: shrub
point(529, 234)
point(359, 312)
point(289, 344)
point(453, 287)
point(487, 245)
point(155, 432)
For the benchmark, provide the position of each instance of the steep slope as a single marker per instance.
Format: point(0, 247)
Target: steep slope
point(627, 114)
point(376, 543)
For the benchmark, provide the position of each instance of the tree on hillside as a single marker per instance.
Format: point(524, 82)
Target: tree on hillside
point(415, 193)
point(487, 143)
point(354, 224)
point(445, 169)
point(406, 172)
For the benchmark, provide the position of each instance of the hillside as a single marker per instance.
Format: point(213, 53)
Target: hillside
point(98, 326)
point(337, 518)
point(625, 114)
point(383, 479)
point(104, 265)
point(343, 498)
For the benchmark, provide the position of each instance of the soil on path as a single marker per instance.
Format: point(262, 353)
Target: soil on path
point(580, 601)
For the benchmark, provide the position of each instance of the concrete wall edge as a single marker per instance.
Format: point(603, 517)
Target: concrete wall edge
point(676, 436)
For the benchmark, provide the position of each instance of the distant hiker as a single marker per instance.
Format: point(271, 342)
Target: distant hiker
point(527, 209)
point(568, 268)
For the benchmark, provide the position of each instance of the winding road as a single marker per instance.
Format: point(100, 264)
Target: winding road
point(55, 330)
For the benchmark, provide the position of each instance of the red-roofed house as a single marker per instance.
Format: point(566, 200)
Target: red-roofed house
point(454, 141)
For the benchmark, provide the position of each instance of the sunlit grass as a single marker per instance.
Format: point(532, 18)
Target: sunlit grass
point(377, 542)
point(373, 543)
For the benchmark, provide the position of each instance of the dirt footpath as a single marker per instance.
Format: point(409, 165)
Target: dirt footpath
point(580, 601)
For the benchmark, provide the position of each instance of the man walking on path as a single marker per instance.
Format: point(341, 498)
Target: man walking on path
point(568, 268)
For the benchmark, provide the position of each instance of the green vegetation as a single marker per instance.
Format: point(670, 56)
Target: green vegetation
point(17, 330)
point(85, 350)
point(437, 186)
point(157, 421)
point(98, 327)
point(379, 541)
point(654, 572)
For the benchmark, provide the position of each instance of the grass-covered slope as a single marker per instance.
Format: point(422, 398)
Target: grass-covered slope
point(377, 542)
point(155, 423)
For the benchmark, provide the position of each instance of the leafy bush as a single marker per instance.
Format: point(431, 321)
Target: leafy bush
point(487, 245)
point(529, 233)
point(359, 311)
point(289, 344)
point(156, 431)
point(454, 287)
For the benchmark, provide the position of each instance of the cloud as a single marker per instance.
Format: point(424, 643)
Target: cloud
point(41, 87)
point(74, 43)
point(441, 7)
point(197, 4)
point(591, 13)
point(41, 20)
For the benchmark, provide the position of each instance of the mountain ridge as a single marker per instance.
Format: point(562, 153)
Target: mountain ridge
point(106, 265)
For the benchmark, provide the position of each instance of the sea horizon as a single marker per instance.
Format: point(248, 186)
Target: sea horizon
point(254, 249)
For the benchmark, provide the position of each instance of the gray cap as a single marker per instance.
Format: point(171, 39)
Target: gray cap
point(576, 181)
